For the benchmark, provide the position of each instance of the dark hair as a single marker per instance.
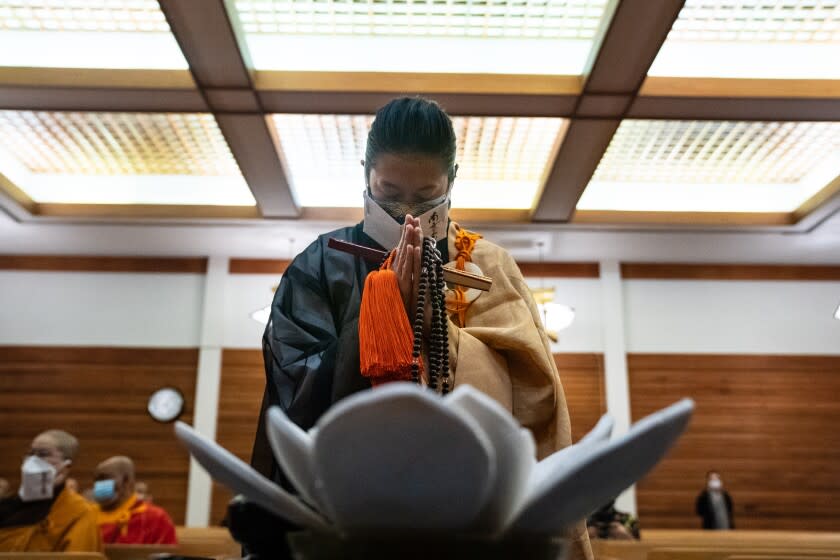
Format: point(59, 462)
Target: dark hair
point(710, 473)
point(412, 125)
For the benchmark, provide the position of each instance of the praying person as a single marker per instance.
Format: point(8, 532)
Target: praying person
point(46, 515)
point(123, 517)
point(494, 342)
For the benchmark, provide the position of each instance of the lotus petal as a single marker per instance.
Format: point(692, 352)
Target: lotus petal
point(292, 448)
point(397, 458)
point(237, 475)
point(566, 456)
point(602, 471)
point(601, 431)
point(515, 452)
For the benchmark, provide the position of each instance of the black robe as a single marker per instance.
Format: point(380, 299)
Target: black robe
point(14, 512)
point(311, 342)
point(703, 507)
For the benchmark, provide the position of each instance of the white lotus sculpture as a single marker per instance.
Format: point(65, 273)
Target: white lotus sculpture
point(401, 458)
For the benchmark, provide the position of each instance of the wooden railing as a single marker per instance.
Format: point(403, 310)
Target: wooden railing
point(215, 542)
point(210, 542)
point(721, 545)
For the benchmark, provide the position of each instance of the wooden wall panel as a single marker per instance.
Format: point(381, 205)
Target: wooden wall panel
point(583, 381)
point(258, 266)
point(689, 271)
point(767, 423)
point(100, 396)
point(240, 398)
point(243, 380)
point(84, 263)
point(559, 269)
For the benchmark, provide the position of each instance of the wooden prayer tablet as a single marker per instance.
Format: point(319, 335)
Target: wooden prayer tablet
point(367, 253)
point(451, 275)
point(467, 279)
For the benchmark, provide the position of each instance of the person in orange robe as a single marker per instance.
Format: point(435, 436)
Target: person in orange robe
point(123, 517)
point(45, 515)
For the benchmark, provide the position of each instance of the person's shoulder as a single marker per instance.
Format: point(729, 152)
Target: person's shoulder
point(347, 233)
point(85, 507)
point(77, 501)
point(493, 256)
point(311, 256)
point(487, 245)
point(71, 506)
point(309, 262)
point(157, 512)
point(483, 246)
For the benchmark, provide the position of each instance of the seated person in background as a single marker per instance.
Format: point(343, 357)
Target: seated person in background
point(609, 523)
point(714, 504)
point(45, 515)
point(142, 491)
point(123, 517)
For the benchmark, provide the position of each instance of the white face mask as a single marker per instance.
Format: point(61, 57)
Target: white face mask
point(715, 484)
point(37, 479)
point(385, 230)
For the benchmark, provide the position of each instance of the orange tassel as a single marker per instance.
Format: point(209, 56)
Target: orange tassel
point(464, 244)
point(386, 338)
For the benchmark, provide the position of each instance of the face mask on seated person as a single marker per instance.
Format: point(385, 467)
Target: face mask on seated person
point(384, 219)
point(104, 490)
point(37, 479)
point(715, 484)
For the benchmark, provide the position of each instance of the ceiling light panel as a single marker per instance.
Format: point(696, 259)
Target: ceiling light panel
point(120, 157)
point(91, 34)
point(753, 39)
point(502, 161)
point(410, 34)
point(714, 166)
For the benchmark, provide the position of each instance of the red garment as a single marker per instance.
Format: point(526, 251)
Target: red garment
point(137, 522)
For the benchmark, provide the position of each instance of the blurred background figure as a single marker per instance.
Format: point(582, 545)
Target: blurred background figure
point(714, 505)
point(142, 491)
point(46, 515)
point(609, 523)
point(124, 518)
point(5, 488)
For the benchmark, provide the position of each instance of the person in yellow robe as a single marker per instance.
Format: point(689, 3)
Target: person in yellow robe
point(496, 340)
point(45, 515)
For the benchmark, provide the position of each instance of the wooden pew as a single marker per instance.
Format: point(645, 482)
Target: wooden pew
point(735, 542)
point(774, 557)
point(51, 556)
point(725, 553)
point(136, 551)
point(788, 539)
point(216, 542)
point(213, 542)
point(207, 542)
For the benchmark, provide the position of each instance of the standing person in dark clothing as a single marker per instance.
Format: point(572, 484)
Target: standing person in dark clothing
point(714, 504)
